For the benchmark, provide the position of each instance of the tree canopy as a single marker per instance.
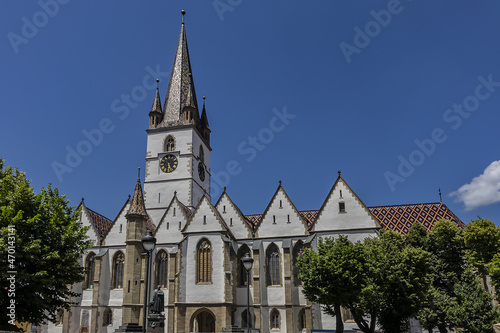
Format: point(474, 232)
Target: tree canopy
point(41, 242)
point(386, 280)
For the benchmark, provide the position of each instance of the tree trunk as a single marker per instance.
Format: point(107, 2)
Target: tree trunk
point(340, 322)
point(363, 324)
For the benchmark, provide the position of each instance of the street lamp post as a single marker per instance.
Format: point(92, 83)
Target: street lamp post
point(248, 263)
point(148, 243)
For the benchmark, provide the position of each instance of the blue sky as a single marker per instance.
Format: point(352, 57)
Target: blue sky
point(402, 96)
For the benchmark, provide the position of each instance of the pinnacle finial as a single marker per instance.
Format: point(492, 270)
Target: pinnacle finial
point(339, 172)
point(83, 199)
point(157, 83)
point(280, 182)
point(183, 12)
point(139, 172)
point(175, 193)
point(224, 189)
point(204, 101)
point(440, 198)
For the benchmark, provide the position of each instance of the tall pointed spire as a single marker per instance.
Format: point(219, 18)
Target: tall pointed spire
point(137, 206)
point(180, 92)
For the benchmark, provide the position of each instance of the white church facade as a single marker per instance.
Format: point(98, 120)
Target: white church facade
point(200, 244)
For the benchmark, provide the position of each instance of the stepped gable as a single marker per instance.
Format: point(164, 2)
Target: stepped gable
point(101, 224)
point(395, 217)
point(401, 217)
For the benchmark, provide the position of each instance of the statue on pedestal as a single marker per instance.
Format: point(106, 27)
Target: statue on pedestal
point(157, 305)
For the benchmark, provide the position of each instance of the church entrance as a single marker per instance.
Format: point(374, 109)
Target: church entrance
point(203, 322)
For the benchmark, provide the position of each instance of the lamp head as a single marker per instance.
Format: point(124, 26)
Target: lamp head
point(148, 241)
point(247, 262)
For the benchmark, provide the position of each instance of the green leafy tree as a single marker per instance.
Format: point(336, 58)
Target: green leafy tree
point(445, 245)
point(383, 280)
point(397, 276)
point(482, 242)
point(332, 276)
point(474, 313)
point(42, 234)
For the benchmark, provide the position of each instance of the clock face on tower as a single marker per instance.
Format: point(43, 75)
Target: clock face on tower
point(201, 171)
point(168, 163)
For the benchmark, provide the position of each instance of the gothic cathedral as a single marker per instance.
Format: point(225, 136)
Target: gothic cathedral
point(197, 259)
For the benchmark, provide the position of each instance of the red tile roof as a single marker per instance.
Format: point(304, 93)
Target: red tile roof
point(401, 217)
point(396, 217)
point(101, 224)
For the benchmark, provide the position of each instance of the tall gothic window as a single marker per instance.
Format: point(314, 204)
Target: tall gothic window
point(242, 271)
point(302, 320)
point(297, 251)
point(169, 144)
point(204, 264)
point(273, 266)
point(275, 319)
point(118, 269)
point(89, 271)
point(161, 269)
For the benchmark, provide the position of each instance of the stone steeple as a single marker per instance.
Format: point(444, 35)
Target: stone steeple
point(181, 92)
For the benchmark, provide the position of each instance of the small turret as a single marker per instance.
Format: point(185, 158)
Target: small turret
point(204, 129)
point(156, 113)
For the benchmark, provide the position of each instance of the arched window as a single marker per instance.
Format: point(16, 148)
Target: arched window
point(89, 271)
point(204, 258)
point(202, 155)
point(107, 319)
point(302, 320)
point(161, 269)
point(273, 266)
point(297, 251)
point(118, 268)
point(275, 319)
point(242, 252)
point(169, 144)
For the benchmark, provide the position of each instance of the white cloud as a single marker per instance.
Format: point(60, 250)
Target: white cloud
point(482, 190)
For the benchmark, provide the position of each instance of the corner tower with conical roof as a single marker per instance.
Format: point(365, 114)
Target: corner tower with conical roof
point(137, 219)
point(178, 149)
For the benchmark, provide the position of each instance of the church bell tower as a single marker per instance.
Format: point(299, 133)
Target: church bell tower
point(178, 144)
